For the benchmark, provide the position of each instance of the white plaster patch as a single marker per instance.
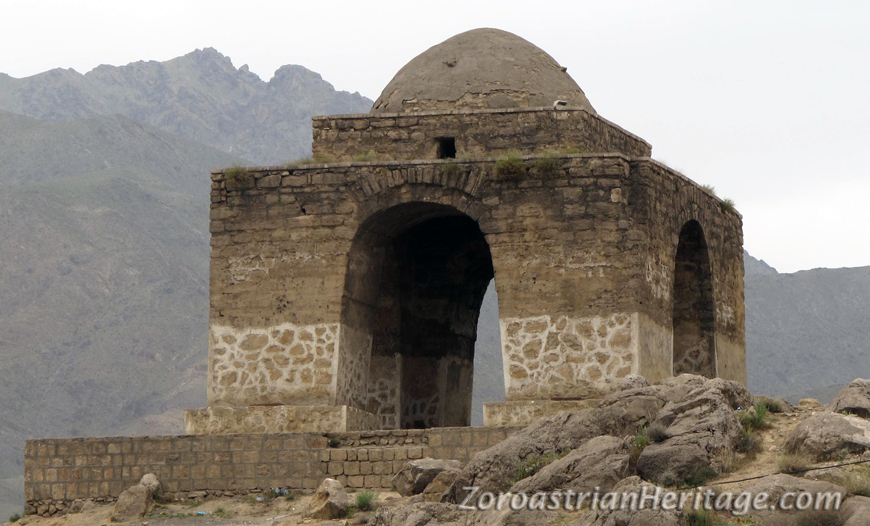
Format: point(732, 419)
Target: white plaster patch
point(241, 268)
point(285, 363)
point(566, 357)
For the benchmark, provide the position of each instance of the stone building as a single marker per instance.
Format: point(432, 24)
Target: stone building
point(345, 293)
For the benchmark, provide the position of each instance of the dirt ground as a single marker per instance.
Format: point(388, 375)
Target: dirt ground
point(246, 510)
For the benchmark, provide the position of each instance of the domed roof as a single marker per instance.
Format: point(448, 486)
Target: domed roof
point(481, 68)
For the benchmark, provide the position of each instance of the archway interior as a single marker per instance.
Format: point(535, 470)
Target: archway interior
point(694, 320)
point(426, 269)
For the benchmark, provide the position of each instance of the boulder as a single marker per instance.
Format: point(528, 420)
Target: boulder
point(329, 501)
point(134, 503)
point(413, 478)
point(856, 511)
point(601, 462)
point(777, 485)
point(421, 514)
point(853, 399)
point(826, 434)
point(671, 465)
point(436, 489)
point(632, 517)
point(149, 480)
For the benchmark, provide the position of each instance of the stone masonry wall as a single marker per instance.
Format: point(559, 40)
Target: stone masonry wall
point(586, 238)
point(566, 357)
point(672, 201)
point(62, 470)
point(478, 133)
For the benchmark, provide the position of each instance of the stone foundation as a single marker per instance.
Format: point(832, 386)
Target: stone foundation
point(61, 471)
point(524, 412)
point(278, 419)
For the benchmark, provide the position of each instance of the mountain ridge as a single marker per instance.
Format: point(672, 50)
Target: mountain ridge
point(199, 96)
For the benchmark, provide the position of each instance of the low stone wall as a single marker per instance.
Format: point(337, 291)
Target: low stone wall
point(524, 412)
point(60, 471)
point(278, 419)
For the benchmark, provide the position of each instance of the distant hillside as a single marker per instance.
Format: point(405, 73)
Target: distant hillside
point(103, 279)
point(806, 330)
point(199, 96)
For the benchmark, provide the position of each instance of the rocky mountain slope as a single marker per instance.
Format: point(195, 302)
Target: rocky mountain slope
point(807, 330)
point(200, 96)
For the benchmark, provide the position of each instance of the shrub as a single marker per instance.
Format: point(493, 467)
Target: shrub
point(324, 158)
point(755, 418)
point(774, 405)
point(728, 205)
point(365, 500)
point(236, 173)
point(657, 432)
point(299, 162)
point(449, 169)
point(638, 443)
point(547, 165)
point(794, 462)
point(727, 461)
point(701, 517)
point(334, 442)
point(533, 463)
point(15, 518)
point(366, 157)
point(510, 166)
point(749, 442)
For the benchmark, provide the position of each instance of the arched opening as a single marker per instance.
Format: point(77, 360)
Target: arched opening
point(694, 319)
point(416, 280)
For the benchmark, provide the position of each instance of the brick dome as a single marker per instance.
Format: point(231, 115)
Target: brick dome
point(481, 68)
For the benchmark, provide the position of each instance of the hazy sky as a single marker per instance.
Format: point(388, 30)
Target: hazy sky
point(768, 101)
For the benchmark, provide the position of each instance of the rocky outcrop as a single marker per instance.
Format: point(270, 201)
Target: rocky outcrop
point(699, 422)
point(853, 399)
point(418, 474)
point(618, 414)
point(329, 501)
point(599, 463)
point(826, 434)
point(632, 517)
point(436, 489)
point(698, 414)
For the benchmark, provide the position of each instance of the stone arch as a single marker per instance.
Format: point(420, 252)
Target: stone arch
point(416, 277)
point(694, 323)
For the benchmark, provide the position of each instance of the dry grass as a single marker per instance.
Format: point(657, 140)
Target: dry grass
point(510, 166)
point(794, 462)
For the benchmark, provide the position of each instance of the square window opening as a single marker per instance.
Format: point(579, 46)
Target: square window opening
point(446, 148)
